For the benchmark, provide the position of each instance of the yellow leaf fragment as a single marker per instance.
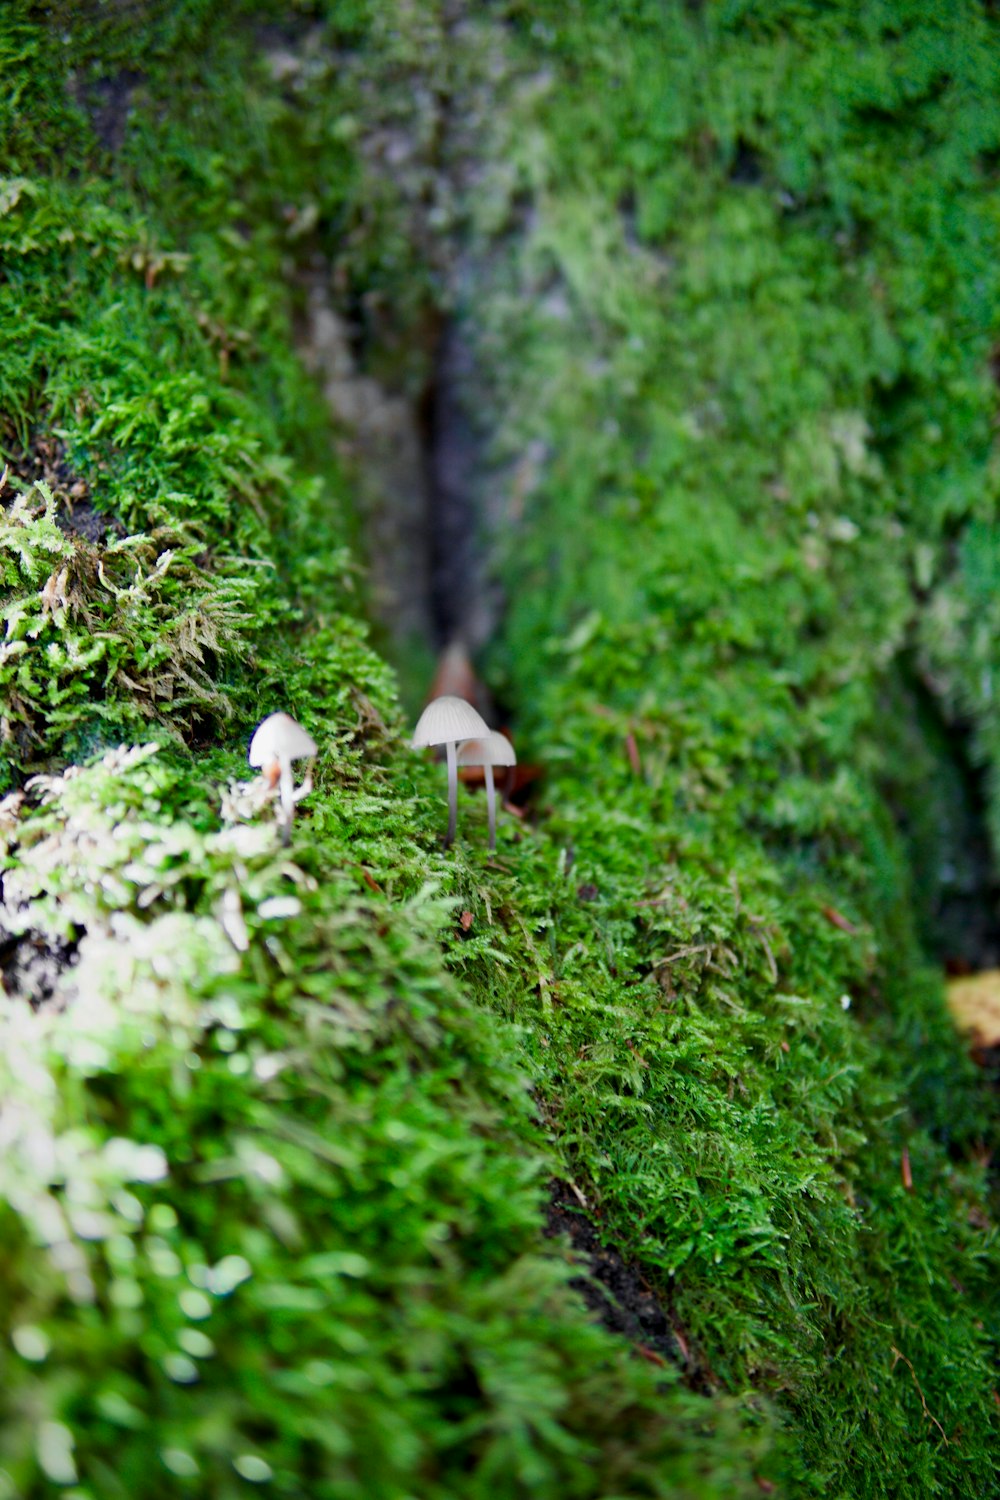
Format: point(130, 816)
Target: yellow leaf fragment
point(974, 1003)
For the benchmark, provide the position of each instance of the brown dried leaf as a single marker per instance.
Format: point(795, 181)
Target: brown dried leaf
point(837, 919)
point(905, 1172)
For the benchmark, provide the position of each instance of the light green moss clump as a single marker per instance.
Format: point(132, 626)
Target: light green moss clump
point(277, 1141)
point(271, 1152)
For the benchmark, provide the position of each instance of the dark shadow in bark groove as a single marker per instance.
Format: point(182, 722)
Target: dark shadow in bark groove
point(32, 964)
point(615, 1289)
point(939, 800)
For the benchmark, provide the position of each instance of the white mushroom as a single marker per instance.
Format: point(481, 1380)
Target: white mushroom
point(278, 741)
point(494, 750)
point(445, 722)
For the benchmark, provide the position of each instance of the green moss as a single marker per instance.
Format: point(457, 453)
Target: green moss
point(284, 1162)
point(284, 1148)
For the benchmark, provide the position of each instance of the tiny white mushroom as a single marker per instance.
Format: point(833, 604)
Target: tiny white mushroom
point(446, 721)
point(278, 741)
point(494, 750)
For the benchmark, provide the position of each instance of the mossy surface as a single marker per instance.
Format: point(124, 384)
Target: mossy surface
point(277, 1141)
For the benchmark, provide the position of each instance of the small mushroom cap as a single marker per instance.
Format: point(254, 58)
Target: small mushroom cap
point(448, 719)
point(279, 737)
point(495, 750)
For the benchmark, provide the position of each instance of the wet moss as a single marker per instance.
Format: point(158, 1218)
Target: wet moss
point(285, 1123)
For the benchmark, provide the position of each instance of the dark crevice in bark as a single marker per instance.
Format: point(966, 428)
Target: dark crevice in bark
point(32, 963)
point(616, 1291)
point(462, 604)
point(943, 817)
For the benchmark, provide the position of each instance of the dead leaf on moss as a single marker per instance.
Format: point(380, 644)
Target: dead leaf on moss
point(975, 1005)
point(837, 919)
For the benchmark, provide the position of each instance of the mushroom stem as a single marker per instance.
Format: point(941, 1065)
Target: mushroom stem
point(491, 803)
point(452, 793)
point(286, 793)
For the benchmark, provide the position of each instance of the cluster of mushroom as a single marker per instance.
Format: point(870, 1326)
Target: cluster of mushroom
point(278, 741)
point(468, 741)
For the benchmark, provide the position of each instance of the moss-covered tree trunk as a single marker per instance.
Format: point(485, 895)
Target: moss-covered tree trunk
point(646, 352)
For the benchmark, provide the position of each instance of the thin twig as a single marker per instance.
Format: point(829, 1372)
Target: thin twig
point(905, 1172)
point(577, 1193)
point(896, 1357)
point(672, 958)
